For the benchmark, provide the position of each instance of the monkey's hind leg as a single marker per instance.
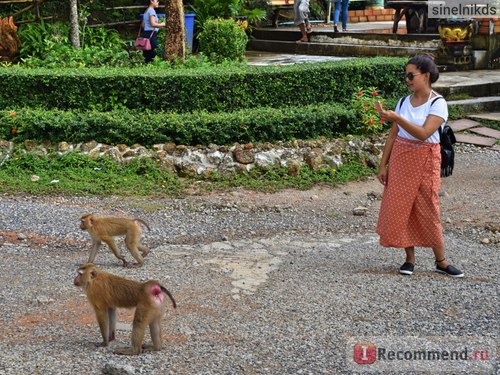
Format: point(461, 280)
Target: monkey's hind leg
point(138, 329)
point(143, 249)
point(112, 245)
point(134, 249)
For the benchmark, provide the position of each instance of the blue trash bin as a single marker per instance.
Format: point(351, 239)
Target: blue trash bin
point(189, 27)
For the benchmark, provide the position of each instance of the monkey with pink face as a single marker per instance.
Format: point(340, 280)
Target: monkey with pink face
point(106, 292)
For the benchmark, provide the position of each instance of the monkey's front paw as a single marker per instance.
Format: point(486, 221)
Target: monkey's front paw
point(149, 348)
point(125, 351)
point(135, 265)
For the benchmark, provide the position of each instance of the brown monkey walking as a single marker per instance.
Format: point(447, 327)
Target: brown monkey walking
point(106, 292)
point(102, 228)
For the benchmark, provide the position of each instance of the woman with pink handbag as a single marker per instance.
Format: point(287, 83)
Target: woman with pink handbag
point(150, 28)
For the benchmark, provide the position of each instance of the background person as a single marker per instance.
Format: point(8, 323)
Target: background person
point(150, 28)
point(340, 5)
point(301, 18)
point(410, 169)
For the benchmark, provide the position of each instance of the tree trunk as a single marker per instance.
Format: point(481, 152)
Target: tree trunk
point(175, 45)
point(73, 19)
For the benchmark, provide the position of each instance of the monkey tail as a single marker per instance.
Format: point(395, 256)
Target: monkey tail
point(169, 295)
point(143, 223)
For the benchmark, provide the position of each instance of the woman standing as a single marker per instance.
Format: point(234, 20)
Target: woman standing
point(410, 169)
point(150, 28)
point(344, 6)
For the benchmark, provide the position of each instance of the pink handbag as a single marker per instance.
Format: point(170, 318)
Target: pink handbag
point(143, 44)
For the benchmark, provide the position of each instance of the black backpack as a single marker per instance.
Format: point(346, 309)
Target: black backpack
point(446, 140)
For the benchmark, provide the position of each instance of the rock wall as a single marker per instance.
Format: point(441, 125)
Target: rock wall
point(187, 161)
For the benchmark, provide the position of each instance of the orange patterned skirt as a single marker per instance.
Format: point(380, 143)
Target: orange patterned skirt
point(409, 213)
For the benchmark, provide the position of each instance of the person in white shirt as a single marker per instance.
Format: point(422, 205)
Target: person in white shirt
point(410, 169)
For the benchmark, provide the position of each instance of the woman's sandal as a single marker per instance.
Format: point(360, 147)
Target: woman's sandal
point(309, 30)
point(302, 41)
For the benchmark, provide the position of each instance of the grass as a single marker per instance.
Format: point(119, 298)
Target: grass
point(277, 178)
point(77, 174)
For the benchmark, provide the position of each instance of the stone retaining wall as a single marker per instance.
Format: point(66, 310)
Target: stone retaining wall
point(187, 161)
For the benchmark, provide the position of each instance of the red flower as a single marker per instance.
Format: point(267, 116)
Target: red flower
point(360, 93)
point(371, 122)
point(13, 114)
point(375, 93)
point(13, 131)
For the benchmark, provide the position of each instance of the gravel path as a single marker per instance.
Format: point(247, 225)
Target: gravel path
point(284, 283)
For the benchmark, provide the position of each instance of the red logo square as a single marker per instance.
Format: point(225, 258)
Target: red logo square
point(365, 353)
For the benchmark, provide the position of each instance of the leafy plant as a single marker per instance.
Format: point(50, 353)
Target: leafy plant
point(364, 103)
point(47, 45)
point(41, 39)
point(227, 9)
point(210, 9)
point(223, 39)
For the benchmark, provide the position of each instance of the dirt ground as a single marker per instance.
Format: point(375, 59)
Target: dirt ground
point(469, 198)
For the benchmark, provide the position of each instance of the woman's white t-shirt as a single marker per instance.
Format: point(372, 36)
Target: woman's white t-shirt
point(147, 21)
point(417, 115)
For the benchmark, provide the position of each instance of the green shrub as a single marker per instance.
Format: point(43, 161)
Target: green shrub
point(38, 40)
point(226, 88)
point(262, 124)
point(211, 9)
point(223, 39)
point(47, 45)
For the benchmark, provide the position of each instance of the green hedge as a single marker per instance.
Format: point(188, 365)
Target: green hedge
point(263, 124)
point(210, 89)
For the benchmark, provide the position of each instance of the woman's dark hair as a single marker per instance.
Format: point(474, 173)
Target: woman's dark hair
point(425, 63)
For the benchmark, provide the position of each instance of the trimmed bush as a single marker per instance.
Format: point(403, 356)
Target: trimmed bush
point(147, 128)
point(226, 88)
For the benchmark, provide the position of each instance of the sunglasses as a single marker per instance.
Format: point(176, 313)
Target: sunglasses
point(410, 76)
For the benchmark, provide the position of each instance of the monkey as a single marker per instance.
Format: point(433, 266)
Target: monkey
point(102, 228)
point(106, 292)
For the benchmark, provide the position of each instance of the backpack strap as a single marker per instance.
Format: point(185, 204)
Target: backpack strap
point(435, 99)
point(401, 101)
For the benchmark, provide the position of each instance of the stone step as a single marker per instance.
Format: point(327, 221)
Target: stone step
point(463, 124)
point(475, 105)
point(473, 132)
point(331, 49)
point(475, 139)
point(292, 34)
point(491, 116)
point(487, 132)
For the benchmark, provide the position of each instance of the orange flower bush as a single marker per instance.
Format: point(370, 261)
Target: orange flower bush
point(364, 103)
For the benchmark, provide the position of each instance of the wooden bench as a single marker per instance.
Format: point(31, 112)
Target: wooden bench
point(276, 6)
point(415, 13)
